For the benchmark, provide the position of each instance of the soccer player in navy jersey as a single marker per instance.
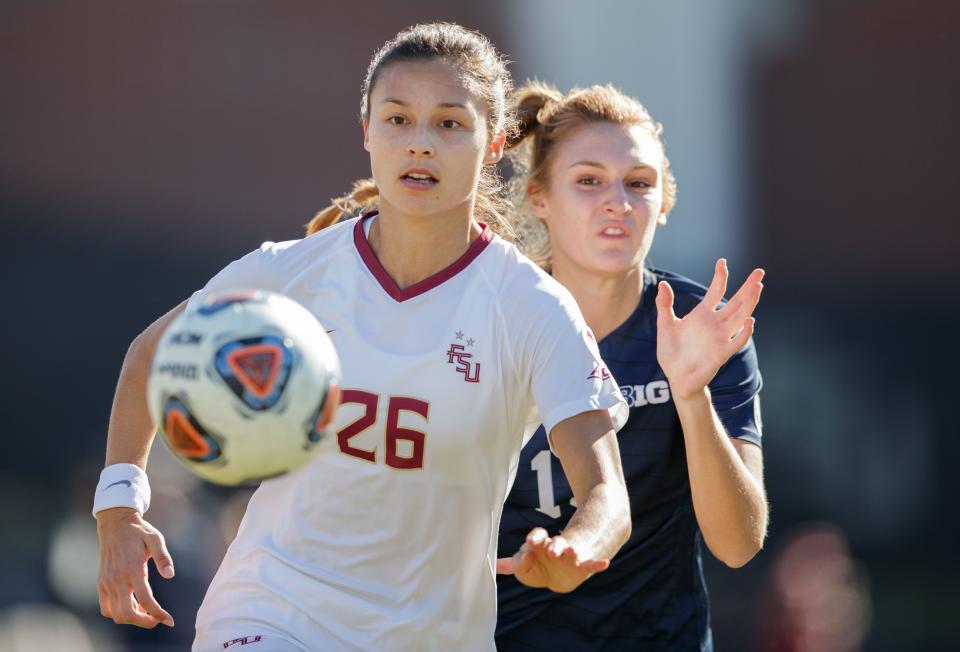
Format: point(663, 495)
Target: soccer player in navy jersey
point(592, 170)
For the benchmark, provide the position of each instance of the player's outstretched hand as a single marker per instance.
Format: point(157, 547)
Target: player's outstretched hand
point(549, 562)
point(691, 350)
point(127, 543)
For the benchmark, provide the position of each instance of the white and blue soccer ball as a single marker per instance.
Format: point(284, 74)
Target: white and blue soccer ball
point(239, 384)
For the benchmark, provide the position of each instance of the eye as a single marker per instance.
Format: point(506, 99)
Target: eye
point(588, 181)
point(450, 123)
point(640, 184)
point(397, 120)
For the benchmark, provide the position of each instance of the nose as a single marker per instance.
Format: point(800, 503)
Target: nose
point(420, 143)
point(617, 201)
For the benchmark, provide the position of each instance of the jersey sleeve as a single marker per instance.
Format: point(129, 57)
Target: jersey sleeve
point(735, 391)
point(566, 374)
point(255, 271)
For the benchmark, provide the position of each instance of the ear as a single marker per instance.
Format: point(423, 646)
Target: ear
point(495, 151)
point(664, 211)
point(538, 201)
point(366, 135)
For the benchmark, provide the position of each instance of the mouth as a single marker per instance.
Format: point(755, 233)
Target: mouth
point(614, 231)
point(419, 179)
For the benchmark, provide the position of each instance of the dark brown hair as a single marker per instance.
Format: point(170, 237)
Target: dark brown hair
point(482, 70)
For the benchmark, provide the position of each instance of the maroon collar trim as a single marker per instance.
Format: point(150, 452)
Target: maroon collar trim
point(388, 284)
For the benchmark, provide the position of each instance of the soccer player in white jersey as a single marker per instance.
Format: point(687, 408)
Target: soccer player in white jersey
point(452, 346)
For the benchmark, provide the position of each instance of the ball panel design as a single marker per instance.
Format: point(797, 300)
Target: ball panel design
point(238, 384)
point(184, 434)
point(256, 369)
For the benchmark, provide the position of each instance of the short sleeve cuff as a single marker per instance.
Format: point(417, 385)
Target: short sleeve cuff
point(615, 405)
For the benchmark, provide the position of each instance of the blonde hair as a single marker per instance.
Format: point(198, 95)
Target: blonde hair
point(546, 117)
point(482, 69)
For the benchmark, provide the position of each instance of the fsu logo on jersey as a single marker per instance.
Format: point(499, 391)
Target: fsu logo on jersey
point(246, 640)
point(457, 355)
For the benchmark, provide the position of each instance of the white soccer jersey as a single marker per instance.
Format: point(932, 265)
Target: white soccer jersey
point(387, 538)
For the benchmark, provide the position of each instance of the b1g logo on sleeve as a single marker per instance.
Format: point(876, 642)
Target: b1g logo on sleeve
point(652, 393)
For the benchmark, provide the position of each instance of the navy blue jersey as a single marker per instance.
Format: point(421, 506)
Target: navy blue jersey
point(653, 595)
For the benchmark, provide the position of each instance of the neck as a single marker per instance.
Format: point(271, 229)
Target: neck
point(606, 301)
point(412, 248)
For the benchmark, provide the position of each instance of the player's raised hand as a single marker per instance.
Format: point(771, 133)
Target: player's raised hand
point(127, 543)
point(691, 350)
point(549, 562)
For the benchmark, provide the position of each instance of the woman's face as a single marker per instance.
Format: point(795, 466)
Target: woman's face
point(604, 199)
point(427, 138)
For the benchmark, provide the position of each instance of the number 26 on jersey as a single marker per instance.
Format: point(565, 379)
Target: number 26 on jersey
point(404, 446)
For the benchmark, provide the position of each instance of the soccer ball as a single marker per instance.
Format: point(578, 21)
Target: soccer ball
point(240, 384)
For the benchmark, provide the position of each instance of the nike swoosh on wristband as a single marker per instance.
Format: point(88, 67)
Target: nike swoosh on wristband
point(126, 482)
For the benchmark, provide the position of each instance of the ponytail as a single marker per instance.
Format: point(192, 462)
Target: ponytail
point(531, 104)
point(363, 197)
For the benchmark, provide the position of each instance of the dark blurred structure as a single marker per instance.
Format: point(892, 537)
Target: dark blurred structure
point(855, 137)
point(146, 145)
point(854, 201)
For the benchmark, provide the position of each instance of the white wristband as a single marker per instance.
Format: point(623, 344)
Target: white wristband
point(122, 485)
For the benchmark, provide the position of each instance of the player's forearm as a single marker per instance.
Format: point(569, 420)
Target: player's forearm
point(587, 447)
point(131, 429)
point(729, 502)
point(601, 524)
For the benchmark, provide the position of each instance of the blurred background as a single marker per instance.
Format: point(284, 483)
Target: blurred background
point(145, 145)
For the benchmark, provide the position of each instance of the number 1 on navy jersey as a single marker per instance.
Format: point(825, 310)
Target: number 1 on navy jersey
point(548, 505)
